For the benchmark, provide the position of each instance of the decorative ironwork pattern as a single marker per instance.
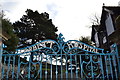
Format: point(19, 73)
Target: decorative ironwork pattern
point(51, 59)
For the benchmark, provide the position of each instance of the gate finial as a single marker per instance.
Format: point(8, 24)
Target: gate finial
point(60, 38)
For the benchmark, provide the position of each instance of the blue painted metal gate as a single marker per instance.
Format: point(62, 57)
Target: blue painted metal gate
point(54, 60)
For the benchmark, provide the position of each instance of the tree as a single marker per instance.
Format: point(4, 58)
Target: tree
point(7, 29)
point(35, 26)
point(85, 40)
point(95, 20)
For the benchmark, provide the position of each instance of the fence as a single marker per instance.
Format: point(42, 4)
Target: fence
point(54, 60)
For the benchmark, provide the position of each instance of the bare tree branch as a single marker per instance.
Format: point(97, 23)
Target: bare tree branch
point(95, 19)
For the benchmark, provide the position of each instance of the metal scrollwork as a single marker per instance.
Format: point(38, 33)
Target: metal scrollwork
point(49, 59)
point(92, 68)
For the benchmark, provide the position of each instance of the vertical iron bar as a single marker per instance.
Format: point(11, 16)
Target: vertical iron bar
point(81, 68)
point(51, 67)
point(56, 68)
point(118, 66)
point(66, 63)
point(3, 67)
point(13, 67)
point(18, 72)
point(8, 67)
point(29, 68)
point(71, 66)
point(102, 69)
point(91, 67)
point(61, 64)
point(40, 67)
point(106, 66)
point(111, 69)
point(115, 65)
point(76, 66)
point(46, 68)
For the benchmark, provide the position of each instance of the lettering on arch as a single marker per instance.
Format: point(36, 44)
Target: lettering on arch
point(74, 44)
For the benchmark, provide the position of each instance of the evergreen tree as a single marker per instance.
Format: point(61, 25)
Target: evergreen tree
point(7, 30)
point(35, 26)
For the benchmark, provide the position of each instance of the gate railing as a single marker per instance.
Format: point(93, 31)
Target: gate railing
point(49, 59)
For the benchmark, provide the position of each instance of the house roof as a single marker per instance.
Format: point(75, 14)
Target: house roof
point(114, 10)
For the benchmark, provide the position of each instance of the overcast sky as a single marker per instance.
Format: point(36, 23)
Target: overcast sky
point(72, 17)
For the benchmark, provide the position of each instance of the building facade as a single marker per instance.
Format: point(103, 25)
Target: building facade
point(108, 32)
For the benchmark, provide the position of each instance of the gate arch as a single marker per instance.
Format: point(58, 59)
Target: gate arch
point(49, 59)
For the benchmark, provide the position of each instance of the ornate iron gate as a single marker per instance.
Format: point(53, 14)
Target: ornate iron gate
point(54, 60)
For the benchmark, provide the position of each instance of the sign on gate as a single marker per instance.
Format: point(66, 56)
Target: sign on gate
point(60, 60)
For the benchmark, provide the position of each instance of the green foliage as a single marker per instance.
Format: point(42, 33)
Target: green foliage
point(7, 27)
point(35, 26)
point(12, 43)
point(7, 30)
point(86, 40)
